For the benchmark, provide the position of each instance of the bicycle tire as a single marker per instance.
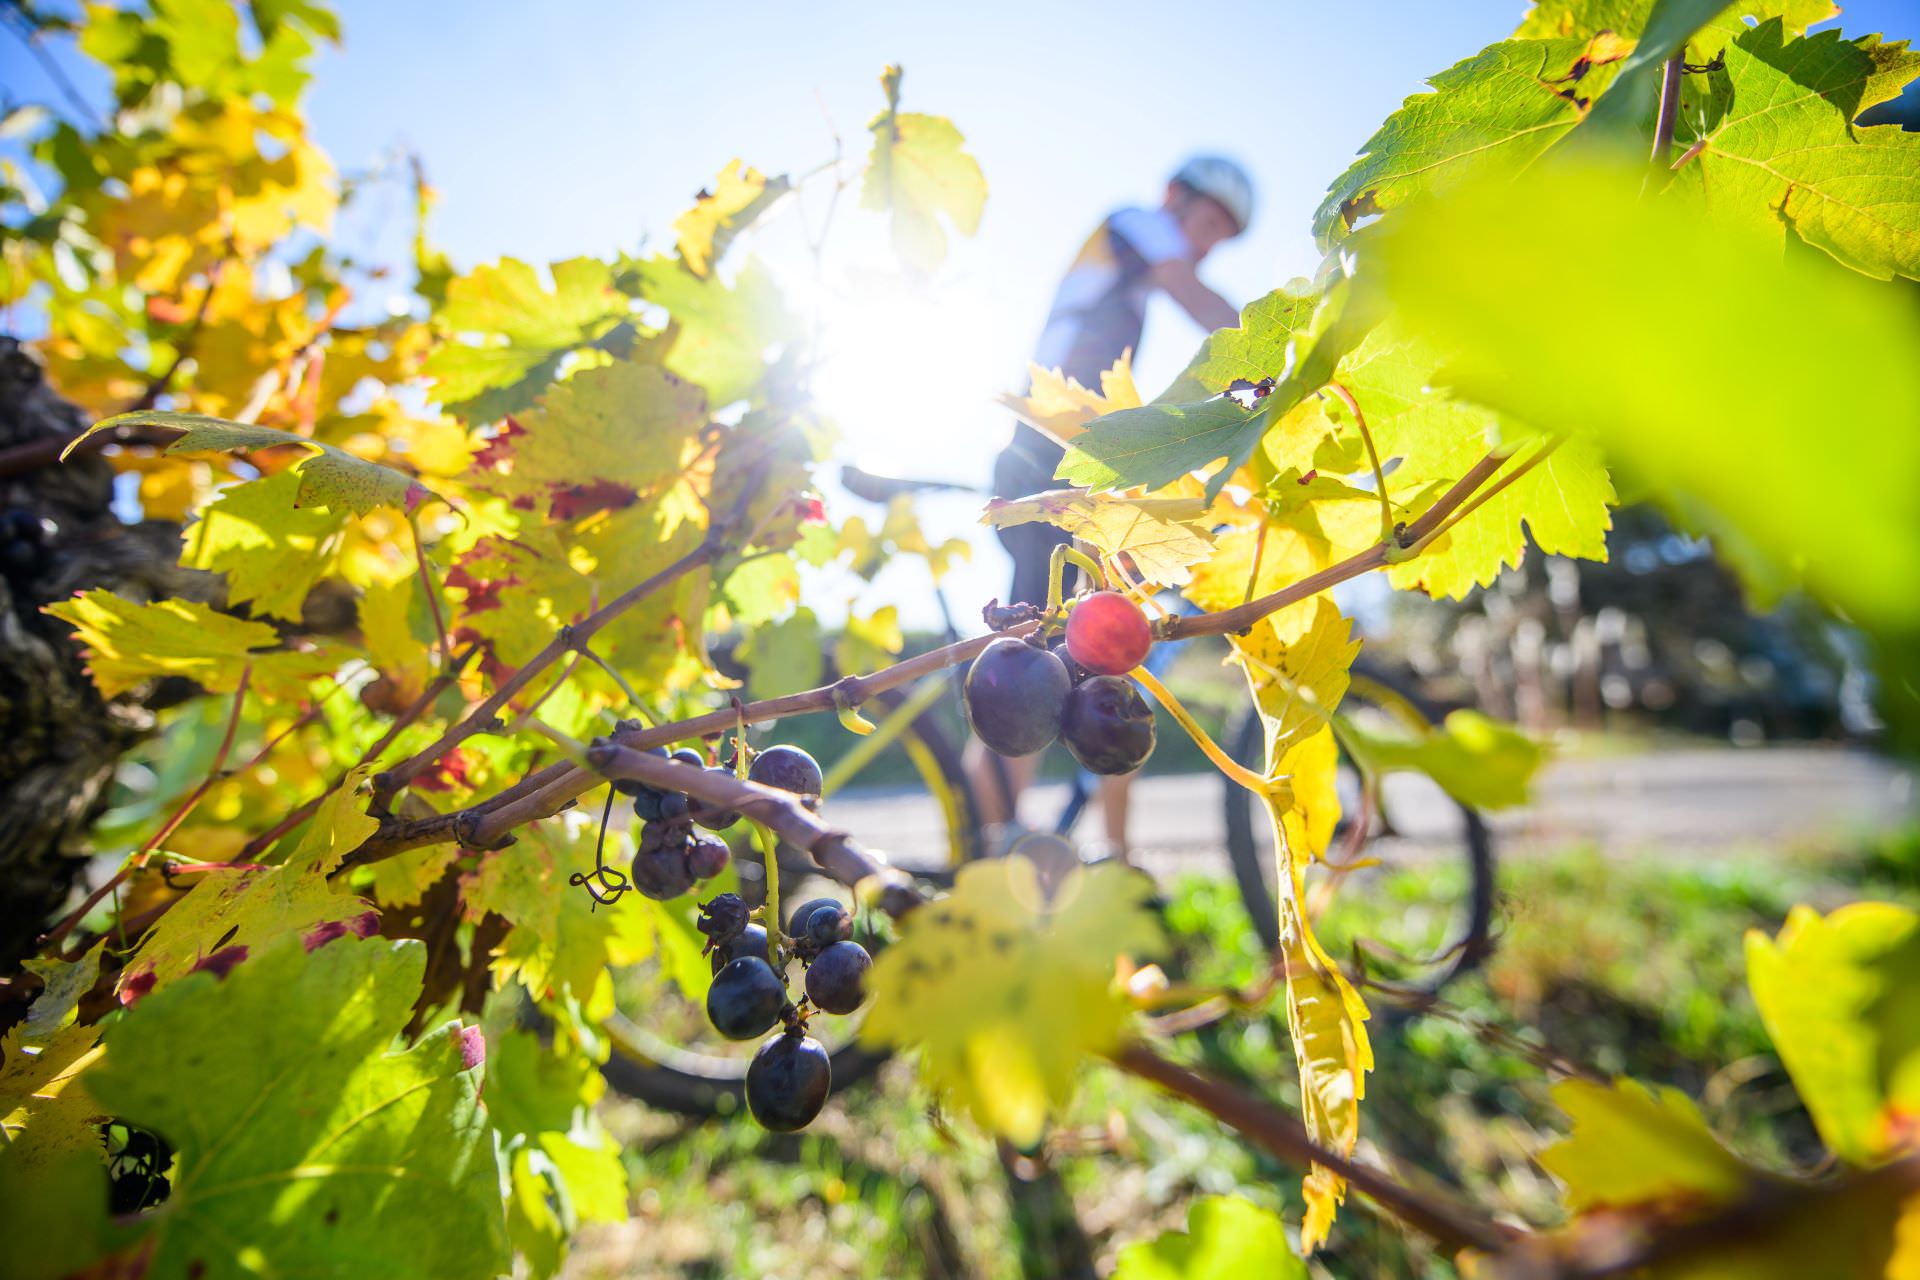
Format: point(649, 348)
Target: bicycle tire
point(1246, 744)
point(687, 1082)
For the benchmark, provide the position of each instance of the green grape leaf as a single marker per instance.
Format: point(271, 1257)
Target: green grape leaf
point(1158, 443)
point(298, 1135)
point(511, 332)
point(740, 195)
point(1787, 152)
point(558, 942)
point(271, 549)
point(1225, 1236)
point(249, 907)
point(625, 423)
point(1006, 988)
point(331, 478)
point(65, 1182)
point(128, 644)
point(45, 1109)
point(1588, 18)
point(1477, 760)
point(783, 657)
point(1632, 1144)
point(919, 171)
point(1840, 995)
point(1499, 110)
point(1467, 273)
point(720, 334)
point(869, 643)
point(1629, 101)
point(1256, 348)
point(1152, 531)
point(1297, 664)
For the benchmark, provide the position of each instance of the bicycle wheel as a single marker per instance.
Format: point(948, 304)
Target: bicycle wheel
point(1251, 862)
point(663, 1052)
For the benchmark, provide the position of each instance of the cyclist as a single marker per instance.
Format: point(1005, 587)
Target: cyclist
point(1098, 312)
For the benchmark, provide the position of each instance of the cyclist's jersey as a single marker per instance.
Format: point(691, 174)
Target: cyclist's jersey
point(1099, 310)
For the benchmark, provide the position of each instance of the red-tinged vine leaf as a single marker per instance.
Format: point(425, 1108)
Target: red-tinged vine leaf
point(1477, 760)
point(1225, 1236)
point(624, 424)
point(331, 477)
point(1499, 110)
point(251, 906)
point(1787, 153)
point(510, 332)
point(1154, 532)
point(1298, 677)
point(129, 644)
point(299, 1132)
point(740, 195)
point(919, 171)
point(1840, 995)
point(721, 333)
point(1633, 1144)
point(1059, 408)
point(1005, 990)
point(271, 549)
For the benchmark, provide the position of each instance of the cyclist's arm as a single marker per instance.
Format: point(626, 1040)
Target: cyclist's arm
point(1180, 282)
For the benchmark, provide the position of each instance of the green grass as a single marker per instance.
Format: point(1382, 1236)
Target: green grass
point(1627, 967)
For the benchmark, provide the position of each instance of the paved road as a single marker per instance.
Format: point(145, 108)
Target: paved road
point(1710, 800)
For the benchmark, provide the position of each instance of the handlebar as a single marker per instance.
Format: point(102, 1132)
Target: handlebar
point(864, 484)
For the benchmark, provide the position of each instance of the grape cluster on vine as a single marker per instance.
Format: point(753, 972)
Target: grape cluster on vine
point(1021, 695)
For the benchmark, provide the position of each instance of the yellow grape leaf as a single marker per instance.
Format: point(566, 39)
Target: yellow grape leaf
point(1632, 1144)
point(44, 1113)
point(128, 644)
point(332, 477)
point(1297, 684)
point(251, 906)
point(396, 649)
point(918, 170)
point(558, 942)
point(1152, 531)
point(271, 549)
point(625, 423)
point(719, 334)
point(164, 229)
point(512, 331)
point(1476, 759)
point(1006, 990)
point(1840, 995)
point(869, 643)
point(740, 194)
point(1059, 408)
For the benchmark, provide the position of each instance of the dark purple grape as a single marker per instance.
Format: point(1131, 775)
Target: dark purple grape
point(797, 922)
point(646, 804)
point(745, 999)
point(707, 856)
point(688, 756)
point(837, 978)
point(827, 924)
point(661, 874)
point(788, 1082)
point(673, 807)
point(1015, 693)
point(1107, 725)
point(712, 816)
point(788, 769)
point(750, 941)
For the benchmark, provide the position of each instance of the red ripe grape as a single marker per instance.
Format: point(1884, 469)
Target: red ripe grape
point(1107, 634)
point(1107, 725)
point(788, 1082)
point(1015, 692)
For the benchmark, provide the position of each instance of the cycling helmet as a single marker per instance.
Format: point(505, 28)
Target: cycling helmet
point(1223, 180)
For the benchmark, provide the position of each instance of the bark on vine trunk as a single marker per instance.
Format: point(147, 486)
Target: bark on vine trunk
point(59, 740)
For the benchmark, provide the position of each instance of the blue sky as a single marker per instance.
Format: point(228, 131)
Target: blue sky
point(578, 128)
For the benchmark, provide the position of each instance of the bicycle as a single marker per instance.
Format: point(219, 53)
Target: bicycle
point(669, 1060)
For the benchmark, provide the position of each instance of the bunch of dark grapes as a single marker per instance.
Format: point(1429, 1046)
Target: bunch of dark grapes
point(1020, 696)
point(671, 854)
point(791, 1075)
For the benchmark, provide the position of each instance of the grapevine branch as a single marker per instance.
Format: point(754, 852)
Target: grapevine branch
point(545, 792)
point(1281, 1134)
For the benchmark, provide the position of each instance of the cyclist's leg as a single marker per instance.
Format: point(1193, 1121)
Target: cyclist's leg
point(1116, 793)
